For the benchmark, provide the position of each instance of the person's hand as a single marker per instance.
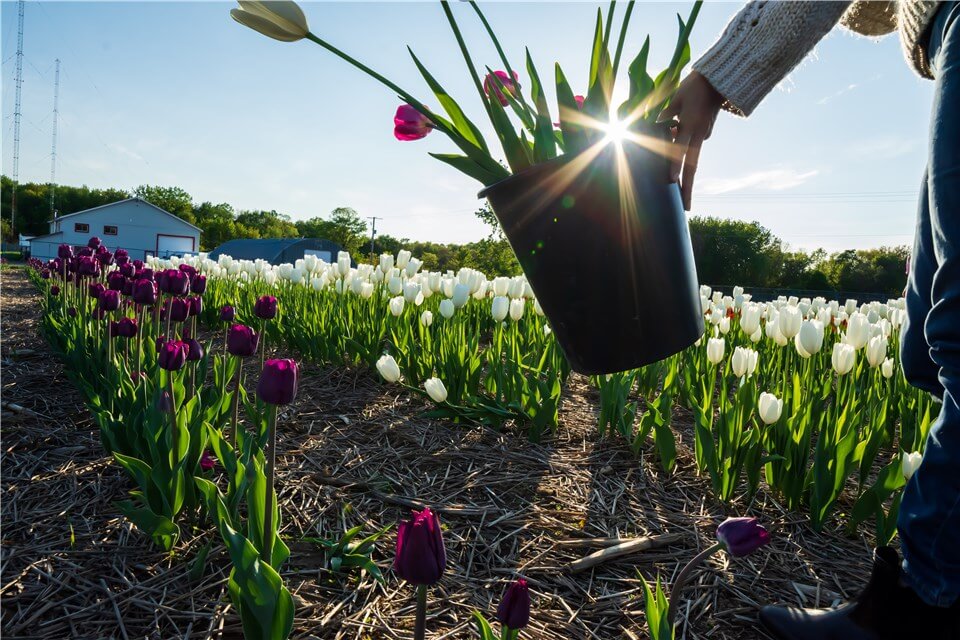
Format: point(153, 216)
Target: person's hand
point(695, 105)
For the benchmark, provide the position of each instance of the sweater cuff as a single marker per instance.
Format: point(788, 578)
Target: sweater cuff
point(761, 45)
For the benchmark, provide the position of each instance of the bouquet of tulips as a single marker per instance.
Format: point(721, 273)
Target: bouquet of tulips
point(533, 136)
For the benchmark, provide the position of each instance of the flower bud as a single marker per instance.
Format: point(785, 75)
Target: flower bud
point(742, 536)
point(421, 557)
point(278, 381)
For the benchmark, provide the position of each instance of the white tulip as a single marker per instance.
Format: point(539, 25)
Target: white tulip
point(436, 390)
point(501, 286)
point(537, 309)
point(750, 318)
point(426, 318)
point(705, 291)
point(395, 285)
point(546, 329)
point(412, 265)
point(280, 19)
point(772, 328)
point(461, 293)
point(411, 291)
point(396, 306)
point(403, 257)
point(756, 336)
point(516, 308)
point(743, 361)
point(386, 262)
point(811, 336)
point(843, 359)
point(858, 330)
point(716, 316)
point(500, 308)
point(724, 325)
point(366, 290)
point(876, 351)
point(388, 368)
point(910, 462)
point(887, 368)
point(447, 308)
point(850, 306)
point(770, 407)
point(790, 321)
point(715, 347)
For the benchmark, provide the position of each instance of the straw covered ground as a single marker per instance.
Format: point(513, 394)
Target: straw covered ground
point(354, 452)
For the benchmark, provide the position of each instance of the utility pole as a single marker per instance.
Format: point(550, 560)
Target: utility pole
point(53, 153)
point(18, 83)
point(373, 232)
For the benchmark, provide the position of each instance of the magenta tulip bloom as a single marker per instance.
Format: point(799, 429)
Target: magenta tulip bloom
point(278, 382)
point(265, 308)
point(420, 557)
point(64, 252)
point(95, 289)
point(227, 313)
point(207, 461)
point(109, 300)
point(45, 274)
point(187, 269)
point(742, 536)
point(242, 341)
point(198, 284)
point(54, 291)
point(88, 266)
point(104, 257)
point(195, 305)
point(127, 269)
point(165, 402)
point(144, 292)
point(579, 100)
point(84, 252)
point(173, 355)
point(72, 311)
point(410, 124)
point(159, 342)
point(514, 609)
point(94, 242)
point(509, 85)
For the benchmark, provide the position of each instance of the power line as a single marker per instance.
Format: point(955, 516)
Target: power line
point(53, 152)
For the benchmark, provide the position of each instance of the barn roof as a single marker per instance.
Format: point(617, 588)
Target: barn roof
point(269, 249)
point(134, 199)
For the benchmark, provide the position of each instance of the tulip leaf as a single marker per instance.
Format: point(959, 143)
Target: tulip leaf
point(483, 627)
point(574, 139)
point(461, 123)
point(517, 154)
point(544, 143)
point(468, 166)
point(161, 529)
point(636, 106)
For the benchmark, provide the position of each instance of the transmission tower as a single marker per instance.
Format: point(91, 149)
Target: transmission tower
point(53, 152)
point(18, 83)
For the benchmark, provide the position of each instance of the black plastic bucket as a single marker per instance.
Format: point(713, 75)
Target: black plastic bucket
point(604, 242)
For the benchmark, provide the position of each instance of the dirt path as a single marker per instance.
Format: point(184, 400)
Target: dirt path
point(355, 452)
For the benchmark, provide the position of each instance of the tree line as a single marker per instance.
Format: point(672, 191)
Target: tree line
point(728, 252)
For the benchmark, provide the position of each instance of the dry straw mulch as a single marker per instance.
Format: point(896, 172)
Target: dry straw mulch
point(353, 451)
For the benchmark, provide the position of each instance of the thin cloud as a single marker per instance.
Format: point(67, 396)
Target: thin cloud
point(847, 89)
point(769, 180)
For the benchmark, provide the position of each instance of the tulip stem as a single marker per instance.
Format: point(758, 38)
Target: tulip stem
point(420, 628)
point(235, 409)
point(174, 440)
point(268, 534)
point(684, 574)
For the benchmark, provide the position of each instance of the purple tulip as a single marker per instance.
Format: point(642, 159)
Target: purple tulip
point(195, 305)
point(179, 309)
point(84, 252)
point(94, 243)
point(165, 402)
point(195, 350)
point(265, 308)
point(227, 314)
point(72, 311)
point(144, 292)
point(159, 342)
point(54, 291)
point(127, 327)
point(99, 314)
point(147, 272)
point(175, 283)
point(105, 258)
point(420, 557)
point(113, 329)
point(109, 300)
point(742, 536)
point(115, 281)
point(121, 253)
point(207, 461)
point(64, 252)
point(198, 284)
point(173, 355)
point(127, 270)
point(242, 341)
point(138, 264)
point(187, 269)
point(94, 289)
point(45, 274)
point(88, 266)
point(410, 124)
point(278, 382)
point(514, 609)
point(127, 288)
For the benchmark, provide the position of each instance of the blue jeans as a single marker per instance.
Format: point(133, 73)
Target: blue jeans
point(929, 522)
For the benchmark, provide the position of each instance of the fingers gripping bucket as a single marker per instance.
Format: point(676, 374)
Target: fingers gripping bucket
point(603, 239)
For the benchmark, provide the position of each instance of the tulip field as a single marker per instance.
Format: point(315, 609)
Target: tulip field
point(368, 449)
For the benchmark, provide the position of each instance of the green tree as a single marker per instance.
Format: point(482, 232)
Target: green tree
point(267, 224)
point(734, 252)
point(171, 199)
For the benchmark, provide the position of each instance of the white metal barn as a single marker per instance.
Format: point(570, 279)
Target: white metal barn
point(136, 225)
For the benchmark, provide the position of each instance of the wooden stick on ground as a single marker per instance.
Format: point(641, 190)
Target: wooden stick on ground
point(622, 549)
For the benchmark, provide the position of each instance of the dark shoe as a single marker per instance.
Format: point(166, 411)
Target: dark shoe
point(886, 610)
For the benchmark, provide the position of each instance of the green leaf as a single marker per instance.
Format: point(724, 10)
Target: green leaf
point(468, 166)
point(544, 142)
point(161, 529)
point(574, 138)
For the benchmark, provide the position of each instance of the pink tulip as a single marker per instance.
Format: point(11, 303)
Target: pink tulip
point(207, 461)
point(579, 100)
point(410, 124)
point(510, 86)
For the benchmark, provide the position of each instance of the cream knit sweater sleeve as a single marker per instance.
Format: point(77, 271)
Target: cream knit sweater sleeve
point(762, 44)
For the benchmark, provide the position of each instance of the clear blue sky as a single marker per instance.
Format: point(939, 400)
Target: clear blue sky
point(176, 93)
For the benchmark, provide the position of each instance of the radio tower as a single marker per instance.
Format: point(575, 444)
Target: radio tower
point(53, 153)
point(18, 82)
